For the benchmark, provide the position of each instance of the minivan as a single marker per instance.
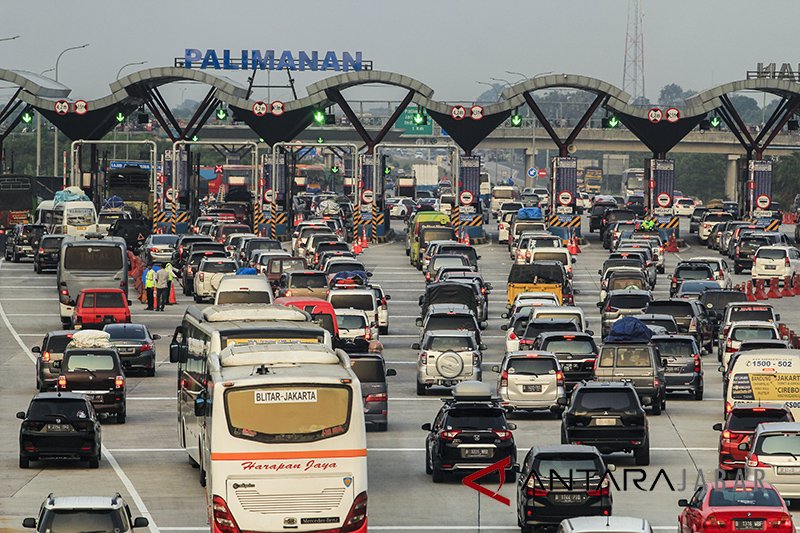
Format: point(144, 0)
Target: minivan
point(641, 365)
point(372, 373)
point(250, 289)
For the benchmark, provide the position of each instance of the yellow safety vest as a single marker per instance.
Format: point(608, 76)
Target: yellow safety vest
point(168, 268)
point(150, 279)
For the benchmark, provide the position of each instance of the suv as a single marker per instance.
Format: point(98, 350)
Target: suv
point(22, 240)
point(47, 254)
point(687, 270)
point(49, 360)
point(597, 212)
point(470, 432)
point(695, 217)
point(208, 275)
point(772, 457)
point(576, 353)
point(529, 381)
point(560, 482)
point(739, 426)
point(714, 302)
point(622, 303)
point(98, 373)
point(607, 415)
point(98, 307)
point(450, 317)
point(447, 357)
point(746, 249)
point(59, 425)
point(772, 262)
point(133, 230)
point(640, 365)
point(94, 513)
point(684, 369)
point(690, 317)
point(739, 311)
point(372, 373)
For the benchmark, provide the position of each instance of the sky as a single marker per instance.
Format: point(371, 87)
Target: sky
point(449, 45)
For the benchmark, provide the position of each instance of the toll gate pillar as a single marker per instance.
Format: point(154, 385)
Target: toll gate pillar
point(658, 196)
point(470, 208)
point(564, 219)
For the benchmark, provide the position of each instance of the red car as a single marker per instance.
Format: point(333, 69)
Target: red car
point(97, 307)
point(735, 506)
point(739, 426)
point(319, 309)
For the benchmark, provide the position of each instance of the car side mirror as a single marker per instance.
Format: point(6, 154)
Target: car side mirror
point(156, 337)
point(482, 347)
point(574, 260)
point(140, 521)
point(71, 303)
point(36, 349)
point(562, 401)
point(387, 297)
point(496, 369)
point(663, 362)
point(29, 523)
point(415, 346)
point(421, 300)
point(511, 425)
point(369, 274)
point(199, 406)
point(743, 446)
point(418, 322)
point(21, 415)
point(721, 368)
point(589, 332)
point(683, 502)
point(611, 468)
point(504, 327)
point(391, 372)
point(777, 316)
point(130, 303)
point(426, 426)
point(489, 287)
point(599, 305)
point(600, 272)
point(717, 427)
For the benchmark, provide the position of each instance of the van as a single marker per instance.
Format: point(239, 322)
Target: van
point(372, 373)
point(567, 311)
point(772, 457)
point(362, 299)
point(233, 289)
point(760, 376)
point(641, 365)
point(420, 220)
point(427, 235)
point(500, 195)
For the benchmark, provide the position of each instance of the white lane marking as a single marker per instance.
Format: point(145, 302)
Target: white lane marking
point(27, 299)
point(53, 287)
point(137, 500)
point(153, 398)
point(417, 336)
point(50, 315)
point(145, 450)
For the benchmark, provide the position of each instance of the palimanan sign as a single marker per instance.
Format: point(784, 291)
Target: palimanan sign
point(313, 60)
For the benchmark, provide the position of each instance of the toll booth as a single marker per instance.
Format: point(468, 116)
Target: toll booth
point(757, 195)
point(564, 219)
point(371, 202)
point(658, 197)
point(470, 209)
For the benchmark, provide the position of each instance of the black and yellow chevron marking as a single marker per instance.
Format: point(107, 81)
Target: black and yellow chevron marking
point(183, 216)
point(477, 221)
point(674, 222)
point(374, 222)
point(556, 222)
point(773, 226)
point(455, 217)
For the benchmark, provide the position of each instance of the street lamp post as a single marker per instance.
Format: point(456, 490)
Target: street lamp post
point(126, 65)
point(55, 129)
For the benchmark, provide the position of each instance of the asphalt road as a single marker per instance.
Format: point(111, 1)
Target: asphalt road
point(142, 460)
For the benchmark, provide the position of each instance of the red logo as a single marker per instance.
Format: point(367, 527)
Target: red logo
point(499, 466)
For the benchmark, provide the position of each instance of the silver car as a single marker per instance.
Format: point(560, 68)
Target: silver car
point(447, 357)
point(159, 248)
point(528, 381)
point(774, 457)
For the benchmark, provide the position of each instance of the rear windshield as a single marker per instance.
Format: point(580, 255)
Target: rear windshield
point(263, 244)
point(561, 257)
point(77, 520)
point(345, 267)
point(670, 308)
point(308, 281)
point(437, 234)
point(103, 300)
point(598, 209)
point(692, 272)
point(521, 227)
point(51, 243)
point(90, 362)
point(668, 325)
point(569, 345)
point(628, 301)
point(719, 299)
point(605, 400)
point(626, 282)
point(627, 357)
point(93, 258)
point(228, 229)
point(502, 193)
point(351, 322)
point(747, 420)
point(57, 343)
point(544, 242)
point(244, 297)
point(535, 328)
point(621, 215)
point(771, 253)
point(741, 314)
point(747, 333)
point(122, 332)
point(364, 302)
point(285, 265)
point(481, 419)
point(747, 497)
point(448, 260)
point(717, 217)
point(567, 467)
point(782, 444)
point(218, 266)
point(327, 246)
point(675, 347)
point(448, 343)
point(536, 274)
point(164, 239)
point(532, 365)
point(520, 323)
point(451, 322)
point(66, 408)
point(368, 370)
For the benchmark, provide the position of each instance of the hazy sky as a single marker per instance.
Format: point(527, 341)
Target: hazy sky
point(450, 45)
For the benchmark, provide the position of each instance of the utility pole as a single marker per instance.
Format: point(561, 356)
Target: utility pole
point(633, 69)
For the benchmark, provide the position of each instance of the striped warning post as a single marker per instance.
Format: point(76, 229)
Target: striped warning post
point(455, 218)
point(477, 221)
point(773, 226)
point(555, 222)
point(273, 219)
point(374, 222)
point(357, 221)
point(674, 222)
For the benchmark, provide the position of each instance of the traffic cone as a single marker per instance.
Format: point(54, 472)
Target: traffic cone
point(364, 240)
point(672, 244)
point(787, 291)
point(759, 292)
point(172, 299)
point(466, 237)
point(571, 246)
point(575, 244)
point(796, 284)
point(749, 292)
point(357, 247)
point(773, 289)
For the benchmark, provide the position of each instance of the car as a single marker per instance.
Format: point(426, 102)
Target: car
point(690, 270)
point(576, 353)
point(356, 329)
point(303, 283)
point(97, 307)
point(382, 301)
point(622, 303)
point(743, 331)
point(47, 254)
point(662, 321)
point(622, 278)
point(772, 457)
point(615, 231)
point(372, 373)
point(446, 316)
point(710, 218)
point(610, 216)
point(446, 358)
point(720, 268)
point(596, 214)
point(85, 513)
point(739, 425)
point(192, 263)
point(49, 358)
point(470, 432)
point(97, 372)
point(158, 248)
point(714, 302)
point(745, 250)
point(597, 524)
point(735, 506)
point(133, 230)
point(609, 416)
point(530, 381)
point(692, 289)
point(23, 240)
point(640, 364)
point(399, 207)
point(233, 242)
point(58, 425)
point(683, 207)
point(690, 317)
point(684, 368)
point(771, 262)
point(504, 224)
point(564, 481)
point(249, 245)
point(135, 345)
point(515, 329)
point(695, 217)
point(183, 245)
point(209, 273)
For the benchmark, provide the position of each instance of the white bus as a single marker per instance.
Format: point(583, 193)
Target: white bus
point(68, 218)
point(207, 331)
point(764, 376)
point(285, 442)
point(632, 181)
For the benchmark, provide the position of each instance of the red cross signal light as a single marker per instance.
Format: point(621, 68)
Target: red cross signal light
point(218, 169)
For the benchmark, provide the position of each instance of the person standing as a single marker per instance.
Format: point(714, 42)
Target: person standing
point(168, 268)
point(149, 285)
point(162, 286)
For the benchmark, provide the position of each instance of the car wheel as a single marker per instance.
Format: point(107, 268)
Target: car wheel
point(384, 330)
point(15, 257)
point(420, 389)
point(437, 475)
point(197, 299)
point(698, 393)
point(94, 462)
point(642, 455)
point(736, 269)
point(151, 372)
point(428, 469)
point(24, 462)
point(382, 426)
point(121, 416)
point(655, 409)
point(564, 439)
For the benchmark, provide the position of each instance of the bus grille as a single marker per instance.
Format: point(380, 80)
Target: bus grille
point(253, 501)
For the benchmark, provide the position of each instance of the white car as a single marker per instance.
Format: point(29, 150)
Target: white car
point(776, 262)
point(683, 207)
point(382, 301)
point(543, 194)
point(515, 329)
point(399, 209)
point(447, 357)
point(355, 324)
point(746, 330)
point(529, 381)
point(722, 272)
point(504, 227)
point(209, 274)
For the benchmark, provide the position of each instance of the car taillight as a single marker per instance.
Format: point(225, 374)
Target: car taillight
point(289, 292)
point(728, 343)
point(423, 358)
point(512, 336)
point(501, 226)
point(483, 290)
point(45, 357)
point(428, 276)
point(41, 250)
point(379, 397)
point(503, 434)
point(62, 382)
point(728, 407)
point(674, 279)
point(611, 309)
point(697, 363)
point(146, 347)
point(189, 270)
point(753, 462)
point(119, 382)
point(202, 276)
point(604, 221)
point(357, 515)
point(560, 377)
point(783, 521)
point(223, 519)
point(736, 252)
point(726, 435)
point(603, 490)
point(656, 383)
point(153, 249)
point(786, 261)
point(713, 522)
point(368, 335)
point(476, 360)
point(449, 434)
point(504, 379)
point(693, 325)
point(526, 342)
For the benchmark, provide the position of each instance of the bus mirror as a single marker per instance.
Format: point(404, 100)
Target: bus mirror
point(200, 406)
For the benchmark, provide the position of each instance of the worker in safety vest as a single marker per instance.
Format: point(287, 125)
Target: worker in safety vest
point(170, 279)
point(150, 285)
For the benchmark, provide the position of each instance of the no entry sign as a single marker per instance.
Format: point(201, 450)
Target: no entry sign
point(466, 198)
point(663, 199)
point(565, 198)
point(763, 201)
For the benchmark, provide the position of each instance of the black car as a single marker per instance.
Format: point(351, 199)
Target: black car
point(59, 424)
point(561, 482)
point(23, 240)
point(98, 373)
point(576, 352)
point(684, 371)
point(686, 270)
point(746, 249)
point(612, 216)
point(697, 216)
point(690, 317)
point(48, 361)
point(183, 245)
point(136, 346)
point(134, 230)
point(372, 373)
point(714, 302)
point(537, 326)
point(597, 211)
point(470, 432)
point(47, 254)
point(607, 415)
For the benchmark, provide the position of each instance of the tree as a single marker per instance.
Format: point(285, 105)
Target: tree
point(747, 108)
point(701, 175)
point(671, 95)
point(786, 179)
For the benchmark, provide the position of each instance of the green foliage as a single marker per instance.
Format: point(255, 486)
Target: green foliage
point(701, 175)
point(786, 179)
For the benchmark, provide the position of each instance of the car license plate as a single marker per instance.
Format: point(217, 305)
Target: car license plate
point(571, 366)
point(674, 369)
point(58, 427)
point(605, 422)
point(97, 397)
point(770, 267)
point(127, 351)
point(740, 524)
point(80, 228)
point(531, 388)
point(476, 452)
point(568, 497)
point(788, 470)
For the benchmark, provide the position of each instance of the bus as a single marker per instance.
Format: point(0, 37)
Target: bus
point(632, 181)
point(207, 331)
point(502, 194)
point(74, 218)
point(89, 263)
point(285, 444)
point(17, 200)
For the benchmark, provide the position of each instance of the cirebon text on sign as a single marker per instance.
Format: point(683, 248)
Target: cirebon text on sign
point(272, 60)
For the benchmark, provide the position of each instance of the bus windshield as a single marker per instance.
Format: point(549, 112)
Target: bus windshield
point(80, 216)
point(93, 258)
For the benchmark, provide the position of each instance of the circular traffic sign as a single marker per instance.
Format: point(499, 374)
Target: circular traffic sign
point(458, 112)
point(476, 112)
point(367, 196)
point(268, 196)
point(532, 172)
point(655, 115)
point(162, 178)
point(565, 198)
point(81, 107)
point(673, 115)
point(61, 107)
point(466, 197)
point(170, 194)
point(663, 199)
point(763, 201)
point(652, 184)
point(277, 108)
point(260, 108)
point(542, 173)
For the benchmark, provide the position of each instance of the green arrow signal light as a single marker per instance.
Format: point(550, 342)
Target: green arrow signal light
point(613, 122)
point(222, 113)
point(26, 118)
point(420, 119)
point(516, 120)
point(120, 118)
point(320, 140)
point(194, 138)
point(715, 122)
point(319, 117)
point(387, 170)
point(334, 169)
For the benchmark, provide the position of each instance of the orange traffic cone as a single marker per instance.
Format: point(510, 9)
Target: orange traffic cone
point(357, 247)
point(796, 284)
point(773, 289)
point(787, 291)
point(672, 244)
point(749, 292)
point(466, 237)
point(364, 240)
point(172, 299)
point(759, 292)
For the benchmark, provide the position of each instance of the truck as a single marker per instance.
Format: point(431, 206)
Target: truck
point(406, 187)
point(592, 179)
point(427, 176)
point(539, 276)
point(17, 200)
